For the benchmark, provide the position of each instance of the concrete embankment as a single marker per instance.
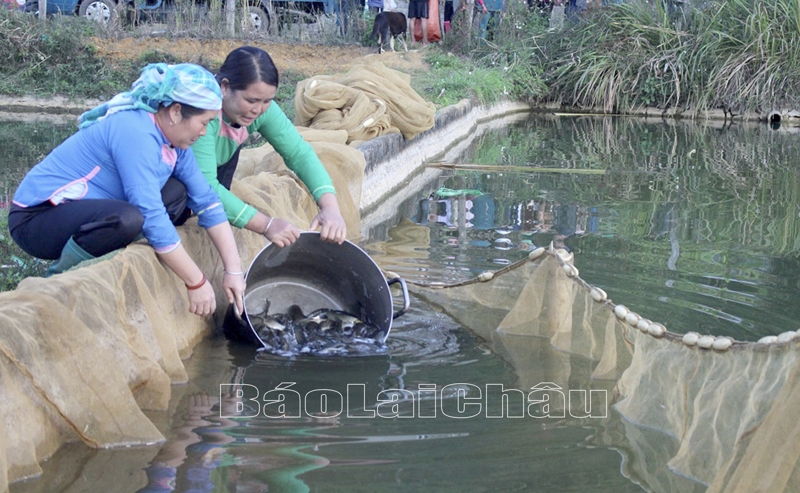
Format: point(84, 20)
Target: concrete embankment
point(85, 353)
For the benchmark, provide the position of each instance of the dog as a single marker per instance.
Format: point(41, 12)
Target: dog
point(390, 25)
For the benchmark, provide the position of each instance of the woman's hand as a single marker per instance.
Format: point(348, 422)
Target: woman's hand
point(202, 300)
point(281, 232)
point(234, 286)
point(330, 220)
point(331, 224)
point(233, 278)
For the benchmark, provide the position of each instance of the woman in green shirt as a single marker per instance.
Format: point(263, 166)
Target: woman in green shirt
point(248, 79)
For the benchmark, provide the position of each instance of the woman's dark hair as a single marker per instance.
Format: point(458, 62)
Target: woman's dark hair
point(190, 111)
point(246, 65)
point(187, 111)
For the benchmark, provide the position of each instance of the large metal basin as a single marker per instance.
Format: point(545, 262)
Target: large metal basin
point(314, 274)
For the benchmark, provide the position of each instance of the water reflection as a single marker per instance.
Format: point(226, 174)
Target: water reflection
point(414, 442)
point(693, 225)
point(382, 423)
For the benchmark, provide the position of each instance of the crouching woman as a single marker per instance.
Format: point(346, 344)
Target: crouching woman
point(127, 171)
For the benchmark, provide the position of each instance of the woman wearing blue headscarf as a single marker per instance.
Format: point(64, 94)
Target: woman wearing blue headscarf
point(129, 171)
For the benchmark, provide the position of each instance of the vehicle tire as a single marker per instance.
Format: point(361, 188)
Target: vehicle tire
point(256, 20)
point(103, 11)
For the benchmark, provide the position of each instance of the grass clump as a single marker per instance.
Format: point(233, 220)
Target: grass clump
point(55, 58)
point(738, 55)
point(452, 78)
point(501, 65)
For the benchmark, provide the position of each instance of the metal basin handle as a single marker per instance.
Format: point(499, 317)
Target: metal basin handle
point(406, 300)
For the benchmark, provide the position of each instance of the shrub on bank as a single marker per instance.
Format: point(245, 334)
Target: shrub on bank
point(738, 55)
point(502, 64)
point(52, 58)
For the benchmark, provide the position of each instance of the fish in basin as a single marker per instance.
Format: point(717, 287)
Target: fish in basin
point(323, 332)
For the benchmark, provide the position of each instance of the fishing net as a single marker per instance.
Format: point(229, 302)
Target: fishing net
point(83, 353)
point(688, 413)
point(368, 101)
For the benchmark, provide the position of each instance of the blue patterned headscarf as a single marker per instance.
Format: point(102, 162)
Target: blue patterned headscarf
point(162, 84)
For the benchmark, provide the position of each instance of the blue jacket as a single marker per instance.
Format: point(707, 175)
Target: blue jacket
point(123, 157)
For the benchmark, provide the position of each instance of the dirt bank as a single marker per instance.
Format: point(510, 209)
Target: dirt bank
point(303, 59)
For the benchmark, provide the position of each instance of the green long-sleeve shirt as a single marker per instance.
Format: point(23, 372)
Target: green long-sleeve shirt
point(221, 140)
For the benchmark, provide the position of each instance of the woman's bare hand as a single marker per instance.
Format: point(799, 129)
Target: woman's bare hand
point(202, 300)
point(234, 286)
point(329, 220)
point(282, 232)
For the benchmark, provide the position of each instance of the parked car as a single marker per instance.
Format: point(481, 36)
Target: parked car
point(98, 10)
point(260, 11)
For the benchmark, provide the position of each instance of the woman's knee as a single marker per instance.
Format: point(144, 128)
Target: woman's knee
point(131, 222)
point(176, 200)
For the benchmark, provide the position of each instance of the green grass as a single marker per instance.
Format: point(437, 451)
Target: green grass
point(501, 67)
point(53, 59)
point(452, 78)
point(738, 55)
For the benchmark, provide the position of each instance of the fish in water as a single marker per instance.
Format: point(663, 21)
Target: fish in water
point(323, 332)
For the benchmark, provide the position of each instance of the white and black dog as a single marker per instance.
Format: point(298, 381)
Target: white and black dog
point(390, 25)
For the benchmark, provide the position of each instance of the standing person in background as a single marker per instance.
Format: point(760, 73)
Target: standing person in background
point(248, 79)
point(418, 13)
point(574, 8)
point(375, 6)
point(128, 170)
point(448, 15)
point(481, 16)
point(477, 18)
point(492, 10)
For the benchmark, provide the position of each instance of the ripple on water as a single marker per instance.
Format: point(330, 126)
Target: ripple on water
point(423, 334)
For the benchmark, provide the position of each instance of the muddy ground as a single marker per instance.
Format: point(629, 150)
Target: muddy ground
point(303, 58)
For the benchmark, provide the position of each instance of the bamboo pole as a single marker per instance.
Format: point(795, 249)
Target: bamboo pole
point(518, 169)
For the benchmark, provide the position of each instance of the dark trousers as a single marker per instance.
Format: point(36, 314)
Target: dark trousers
point(226, 171)
point(99, 226)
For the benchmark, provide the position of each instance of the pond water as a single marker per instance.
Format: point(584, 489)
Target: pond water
point(694, 226)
